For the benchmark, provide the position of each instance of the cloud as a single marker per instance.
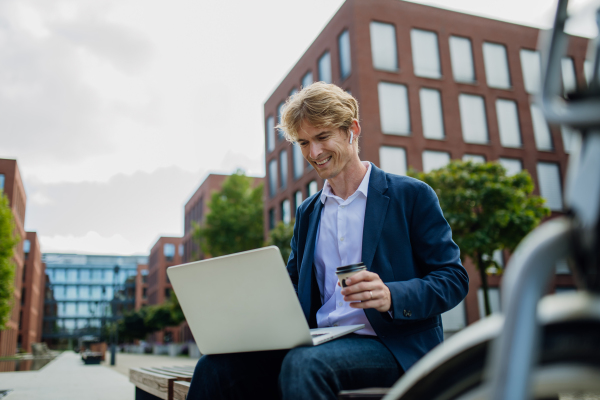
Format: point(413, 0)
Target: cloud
point(128, 211)
point(90, 243)
point(51, 64)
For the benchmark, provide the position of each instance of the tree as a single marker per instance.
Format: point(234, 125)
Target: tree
point(8, 241)
point(281, 236)
point(486, 209)
point(235, 220)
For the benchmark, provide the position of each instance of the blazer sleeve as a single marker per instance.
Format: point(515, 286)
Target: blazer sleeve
point(292, 263)
point(443, 281)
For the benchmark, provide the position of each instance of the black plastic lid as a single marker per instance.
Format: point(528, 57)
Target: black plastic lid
point(351, 267)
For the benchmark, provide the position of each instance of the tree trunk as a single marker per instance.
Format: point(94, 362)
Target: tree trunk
point(484, 284)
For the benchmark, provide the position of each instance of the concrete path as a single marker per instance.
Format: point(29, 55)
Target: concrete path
point(125, 361)
point(67, 378)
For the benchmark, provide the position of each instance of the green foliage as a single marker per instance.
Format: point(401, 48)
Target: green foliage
point(486, 209)
point(281, 236)
point(132, 326)
point(235, 220)
point(8, 241)
point(138, 324)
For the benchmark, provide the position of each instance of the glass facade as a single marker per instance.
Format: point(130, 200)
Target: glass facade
point(84, 292)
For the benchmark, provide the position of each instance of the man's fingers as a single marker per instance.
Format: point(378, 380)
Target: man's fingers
point(361, 276)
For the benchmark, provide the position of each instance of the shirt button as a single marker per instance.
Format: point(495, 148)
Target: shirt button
point(340, 304)
point(341, 239)
point(342, 206)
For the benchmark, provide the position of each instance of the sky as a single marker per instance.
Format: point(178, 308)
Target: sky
point(116, 110)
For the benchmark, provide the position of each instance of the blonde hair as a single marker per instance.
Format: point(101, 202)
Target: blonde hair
point(321, 105)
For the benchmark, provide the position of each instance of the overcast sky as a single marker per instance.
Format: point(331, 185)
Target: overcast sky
point(117, 109)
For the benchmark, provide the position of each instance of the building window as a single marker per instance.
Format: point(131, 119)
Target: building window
point(181, 250)
point(84, 292)
point(550, 185)
point(271, 218)
point(298, 160)
point(473, 119)
point(512, 165)
point(541, 131)
point(508, 123)
point(392, 160)
point(2, 182)
point(461, 58)
point(433, 160)
point(293, 91)
point(431, 113)
point(286, 216)
point(283, 169)
point(60, 275)
point(493, 297)
point(474, 158)
point(307, 79)
point(325, 68)
point(496, 65)
point(169, 251)
point(281, 134)
point(588, 71)
point(71, 292)
point(312, 188)
point(272, 177)
point(298, 198)
point(84, 275)
point(425, 53)
point(568, 75)
point(345, 59)
point(567, 134)
point(383, 46)
point(532, 70)
point(270, 133)
point(72, 275)
point(393, 109)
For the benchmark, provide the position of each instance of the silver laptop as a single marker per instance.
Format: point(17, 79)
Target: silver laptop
point(245, 302)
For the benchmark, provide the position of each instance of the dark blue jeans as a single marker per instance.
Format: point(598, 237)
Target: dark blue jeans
point(320, 372)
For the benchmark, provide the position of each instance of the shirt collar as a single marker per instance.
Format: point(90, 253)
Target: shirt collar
point(362, 188)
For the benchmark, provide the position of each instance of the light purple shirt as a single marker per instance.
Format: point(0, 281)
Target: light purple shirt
point(339, 242)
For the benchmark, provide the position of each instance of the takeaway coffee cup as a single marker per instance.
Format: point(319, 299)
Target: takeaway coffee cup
point(347, 271)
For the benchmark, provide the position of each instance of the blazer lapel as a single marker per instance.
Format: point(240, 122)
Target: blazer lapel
point(306, 269)
point(375, 212)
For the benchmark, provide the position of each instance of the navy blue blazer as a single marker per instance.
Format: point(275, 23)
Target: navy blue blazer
point(408, 243)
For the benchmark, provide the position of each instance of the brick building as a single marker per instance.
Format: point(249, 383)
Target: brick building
point(12, 186)
point(32, 294)
point(166, 252)
point(432, 85)
point(195, 212)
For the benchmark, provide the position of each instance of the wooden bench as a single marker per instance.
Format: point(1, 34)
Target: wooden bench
point(167, 383)
point(173, 383)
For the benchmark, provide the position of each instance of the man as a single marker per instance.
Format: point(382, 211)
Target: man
point(394, 225)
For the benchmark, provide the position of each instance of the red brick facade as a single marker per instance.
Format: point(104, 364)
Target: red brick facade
point(355, 16)
point(34, 281)
point(14, 190)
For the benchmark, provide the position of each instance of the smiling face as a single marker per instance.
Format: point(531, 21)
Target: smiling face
point(328, 150)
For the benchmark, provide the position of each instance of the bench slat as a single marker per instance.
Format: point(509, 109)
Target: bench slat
point(159, 385)
point(180, 390)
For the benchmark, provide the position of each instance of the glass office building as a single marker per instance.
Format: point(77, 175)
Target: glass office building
point(85, 292)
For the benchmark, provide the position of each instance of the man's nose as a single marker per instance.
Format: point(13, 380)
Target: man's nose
point(315, 150)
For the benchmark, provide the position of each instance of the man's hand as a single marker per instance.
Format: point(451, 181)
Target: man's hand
point(368, 291)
